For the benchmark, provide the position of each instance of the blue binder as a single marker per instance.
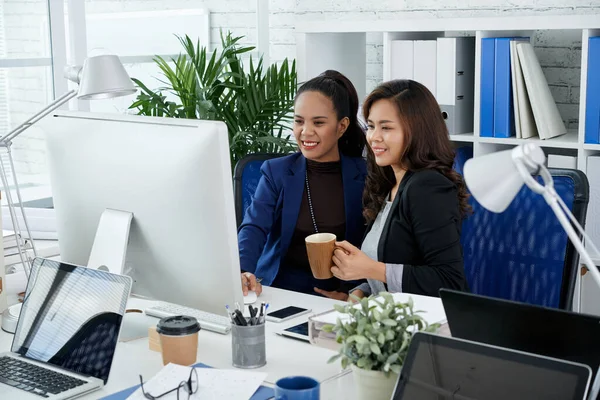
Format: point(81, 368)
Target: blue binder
point(486, 104)
point(592, 103)
point(263, 392)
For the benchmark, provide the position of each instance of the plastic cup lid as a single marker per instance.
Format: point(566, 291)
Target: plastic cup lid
point(179, 325)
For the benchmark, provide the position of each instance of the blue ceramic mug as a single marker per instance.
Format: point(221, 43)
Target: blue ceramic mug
point(297, 388)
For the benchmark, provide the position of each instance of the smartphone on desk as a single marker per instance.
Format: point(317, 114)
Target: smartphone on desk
point(286, 313)
point(299, 331)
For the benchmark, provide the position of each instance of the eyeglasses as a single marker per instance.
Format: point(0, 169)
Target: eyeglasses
point(190, 387)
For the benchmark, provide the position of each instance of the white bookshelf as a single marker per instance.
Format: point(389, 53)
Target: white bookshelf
point(324, 45)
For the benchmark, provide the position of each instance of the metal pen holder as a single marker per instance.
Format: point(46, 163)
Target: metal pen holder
point(248, 349)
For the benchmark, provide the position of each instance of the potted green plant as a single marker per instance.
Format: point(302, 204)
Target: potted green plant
point(255, 101)
point(374, 341)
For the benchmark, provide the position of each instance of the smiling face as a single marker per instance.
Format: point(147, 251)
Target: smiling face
point(316, 127)
point(385, 134)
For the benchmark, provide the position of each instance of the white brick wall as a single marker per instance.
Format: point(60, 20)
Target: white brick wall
point(559, 52)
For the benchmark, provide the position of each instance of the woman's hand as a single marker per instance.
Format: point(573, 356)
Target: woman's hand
point(352, 264)
point(358, 293)
point(249, 282)
point(333, 295)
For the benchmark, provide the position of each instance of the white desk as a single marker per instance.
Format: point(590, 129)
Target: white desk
point(285, 356)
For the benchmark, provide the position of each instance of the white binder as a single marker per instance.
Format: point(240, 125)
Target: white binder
point(425, 64)
point(402, 59)
point(455, 77)
point(524, 121)
point(545, 112)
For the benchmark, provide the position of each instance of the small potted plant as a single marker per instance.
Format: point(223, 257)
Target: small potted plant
point(374, 341)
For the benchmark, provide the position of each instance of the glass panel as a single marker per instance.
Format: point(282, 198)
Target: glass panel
point(143, 27)
point(24, 29)
point(24, 92)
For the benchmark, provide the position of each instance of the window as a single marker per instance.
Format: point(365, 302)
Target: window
point(26, 85)
point(137, 34)
point(38, 38)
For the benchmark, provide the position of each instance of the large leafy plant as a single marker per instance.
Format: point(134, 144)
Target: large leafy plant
point(377, 333)
point(256, 104)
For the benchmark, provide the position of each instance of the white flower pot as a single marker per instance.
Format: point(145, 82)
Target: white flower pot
point(373, 385)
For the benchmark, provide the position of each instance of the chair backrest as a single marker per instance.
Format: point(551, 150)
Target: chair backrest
point(245, 180)
point(523, 254)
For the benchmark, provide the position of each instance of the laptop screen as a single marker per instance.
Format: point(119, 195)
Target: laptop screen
point(71, 317)
point(524, 327)
point(438, 367)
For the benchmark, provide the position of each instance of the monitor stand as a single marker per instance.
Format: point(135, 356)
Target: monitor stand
point(108, 254)
point(110, 244)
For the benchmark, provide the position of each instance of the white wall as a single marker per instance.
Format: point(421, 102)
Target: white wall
point(559, 52)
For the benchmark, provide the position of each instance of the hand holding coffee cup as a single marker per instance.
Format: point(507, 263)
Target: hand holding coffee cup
point(319, 247)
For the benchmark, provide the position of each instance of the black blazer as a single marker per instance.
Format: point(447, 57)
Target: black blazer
point(422, 232)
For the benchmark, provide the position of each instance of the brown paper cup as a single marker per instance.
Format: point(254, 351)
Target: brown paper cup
point(178, 339)
point(180, 350)
point(319, 247)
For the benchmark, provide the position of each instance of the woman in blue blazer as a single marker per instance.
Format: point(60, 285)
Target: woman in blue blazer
point(318, 189)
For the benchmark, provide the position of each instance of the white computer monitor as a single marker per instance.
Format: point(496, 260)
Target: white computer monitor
point(175, 176)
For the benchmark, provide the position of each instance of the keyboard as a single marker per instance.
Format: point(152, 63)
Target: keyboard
point(211, 322)
point(35, 379)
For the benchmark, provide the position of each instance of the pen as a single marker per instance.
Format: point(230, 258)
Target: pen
point(262, 320)
point(240, 318)
point(230, 314)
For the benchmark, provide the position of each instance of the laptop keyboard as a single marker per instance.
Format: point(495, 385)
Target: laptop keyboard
point(34, 379)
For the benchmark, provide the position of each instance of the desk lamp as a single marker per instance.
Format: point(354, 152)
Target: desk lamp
point(495, 179)
point(100, 77)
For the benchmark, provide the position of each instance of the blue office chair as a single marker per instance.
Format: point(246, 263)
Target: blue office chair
point(245, 180)
point(460, 158)
point(523, 254)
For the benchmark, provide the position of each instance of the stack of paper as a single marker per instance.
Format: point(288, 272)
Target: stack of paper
point(42, 222)
point(212, 383)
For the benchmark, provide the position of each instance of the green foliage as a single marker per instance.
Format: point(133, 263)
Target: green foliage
point(256, 105)
point(378, 333)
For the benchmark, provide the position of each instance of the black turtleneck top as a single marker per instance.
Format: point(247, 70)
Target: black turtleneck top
point(327, 196)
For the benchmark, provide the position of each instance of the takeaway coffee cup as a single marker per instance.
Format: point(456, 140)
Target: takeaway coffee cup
point(178, 339)
point(319, 247)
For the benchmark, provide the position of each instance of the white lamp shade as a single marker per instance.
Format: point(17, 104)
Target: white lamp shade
point(493, 180)
point(104, 77)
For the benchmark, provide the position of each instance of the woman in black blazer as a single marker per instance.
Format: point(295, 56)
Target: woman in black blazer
point(413, 201)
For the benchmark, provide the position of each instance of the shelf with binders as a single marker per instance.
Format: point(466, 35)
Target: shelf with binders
point(527, 86)
point(462, 137)
point(591, 146)
point(486, 147)
point(570, 140)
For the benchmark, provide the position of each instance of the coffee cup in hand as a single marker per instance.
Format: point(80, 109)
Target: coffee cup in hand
point(319, 247)
point(178, 339)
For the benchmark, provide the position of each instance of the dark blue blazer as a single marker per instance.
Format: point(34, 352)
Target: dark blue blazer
point(269, 223)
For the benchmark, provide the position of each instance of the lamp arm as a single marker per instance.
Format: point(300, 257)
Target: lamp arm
point(563, 215)
point(6, 139)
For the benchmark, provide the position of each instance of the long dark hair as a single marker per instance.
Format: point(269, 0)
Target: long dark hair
point(426, 143)
point(342, 94)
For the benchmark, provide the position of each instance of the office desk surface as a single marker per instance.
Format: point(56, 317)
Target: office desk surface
point(285, 356)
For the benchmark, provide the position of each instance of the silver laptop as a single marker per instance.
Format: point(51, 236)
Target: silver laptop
point(439, 367)
point(67, 332)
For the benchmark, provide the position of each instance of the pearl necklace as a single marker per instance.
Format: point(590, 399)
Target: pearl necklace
point(310, 205)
